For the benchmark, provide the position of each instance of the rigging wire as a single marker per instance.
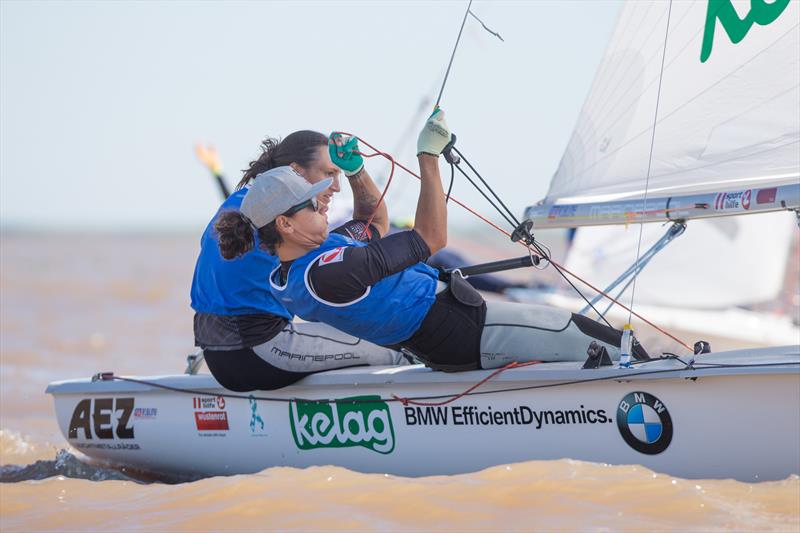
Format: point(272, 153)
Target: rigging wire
point(506, 217)
point(559, 268)
point(485, 27)
point(450, 187)
point(571, 284)
point(529, 240)
point(649, 163)
point(453, 55)
point(506, 213)
point(514, 220)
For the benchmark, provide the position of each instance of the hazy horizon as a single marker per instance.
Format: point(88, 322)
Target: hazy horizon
point(101, 103)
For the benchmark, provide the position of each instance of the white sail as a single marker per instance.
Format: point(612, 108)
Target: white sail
point(727, 120)
point(715, 264)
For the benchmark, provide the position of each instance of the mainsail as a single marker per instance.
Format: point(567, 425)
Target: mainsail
point(728, 116)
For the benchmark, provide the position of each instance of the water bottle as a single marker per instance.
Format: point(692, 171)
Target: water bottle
point(625, 347)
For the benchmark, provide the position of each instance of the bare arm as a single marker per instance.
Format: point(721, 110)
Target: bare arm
point(365, 198)
point(431, 218)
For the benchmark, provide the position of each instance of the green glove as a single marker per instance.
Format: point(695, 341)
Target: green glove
point(345, 153)
point(434, 135)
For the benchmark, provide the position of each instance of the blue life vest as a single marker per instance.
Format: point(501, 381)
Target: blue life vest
point(389, 312)
point(236, 287)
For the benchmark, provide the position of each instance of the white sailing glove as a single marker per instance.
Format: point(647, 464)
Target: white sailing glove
point(434, 135)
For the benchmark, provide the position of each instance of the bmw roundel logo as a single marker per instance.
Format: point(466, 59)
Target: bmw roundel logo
point(644, 423)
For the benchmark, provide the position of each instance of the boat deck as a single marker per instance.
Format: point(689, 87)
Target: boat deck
point(783, 359)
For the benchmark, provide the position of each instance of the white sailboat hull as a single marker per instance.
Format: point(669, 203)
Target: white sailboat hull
point(737, 422)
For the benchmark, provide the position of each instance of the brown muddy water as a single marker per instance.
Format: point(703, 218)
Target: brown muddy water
point(72, 305)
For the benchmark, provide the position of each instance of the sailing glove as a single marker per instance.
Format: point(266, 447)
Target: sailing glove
point(345, 153)
point(434, 135)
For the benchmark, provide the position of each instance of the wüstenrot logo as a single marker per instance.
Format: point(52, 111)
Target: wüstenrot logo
point(366, 422)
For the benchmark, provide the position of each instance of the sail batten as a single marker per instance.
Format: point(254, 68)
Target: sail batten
point(731, 120)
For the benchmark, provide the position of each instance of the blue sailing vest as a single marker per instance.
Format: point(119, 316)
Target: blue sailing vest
point(389, 312)
point(236, 287)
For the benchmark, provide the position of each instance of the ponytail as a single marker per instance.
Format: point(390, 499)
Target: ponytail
point(235, 234)
point(300, 147)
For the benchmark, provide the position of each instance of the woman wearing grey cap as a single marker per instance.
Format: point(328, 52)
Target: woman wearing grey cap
point(381, 289)
point(248, 338)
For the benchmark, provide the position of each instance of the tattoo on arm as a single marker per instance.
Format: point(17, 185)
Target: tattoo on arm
point(364, 201)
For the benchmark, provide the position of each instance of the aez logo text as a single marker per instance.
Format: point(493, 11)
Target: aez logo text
point(644, 423)
point(105, 417)
point(365, 422)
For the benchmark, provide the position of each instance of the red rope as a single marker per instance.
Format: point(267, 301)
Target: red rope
point(388, 182)
point(385, 189)
point(637, 315)
point(408, 401)
point(501, 230)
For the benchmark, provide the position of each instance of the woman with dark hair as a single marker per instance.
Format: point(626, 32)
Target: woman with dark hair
point(381, 289)
point(248, 338)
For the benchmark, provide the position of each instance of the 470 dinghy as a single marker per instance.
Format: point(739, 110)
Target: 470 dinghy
point(682, 123)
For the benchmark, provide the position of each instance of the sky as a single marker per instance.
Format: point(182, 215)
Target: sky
point(101, 103)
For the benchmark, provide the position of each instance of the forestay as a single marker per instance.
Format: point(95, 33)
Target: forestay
point(730, 120)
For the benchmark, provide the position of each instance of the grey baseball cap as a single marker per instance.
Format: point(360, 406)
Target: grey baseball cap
point(275, 191)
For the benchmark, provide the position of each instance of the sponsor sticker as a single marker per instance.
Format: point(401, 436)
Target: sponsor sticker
point(746, 198)
point(562, 211)
point(211, 420)
point(210, 415)
point(334, 256)
point(107, 446)
point(363, 421)
point(209, 402)
point(767, 196)
point(471, 415)
point(103, 419)
point(144, 413)
point(725, 201)
point(644, 423)
point(256, 422)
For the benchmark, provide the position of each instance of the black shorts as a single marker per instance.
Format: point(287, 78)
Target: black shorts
point(243, 370)
point(449, 338)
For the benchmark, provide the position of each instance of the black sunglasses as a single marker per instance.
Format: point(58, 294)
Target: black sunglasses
point(312, 203)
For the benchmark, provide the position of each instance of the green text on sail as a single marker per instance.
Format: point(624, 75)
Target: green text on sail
point(761, 12)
